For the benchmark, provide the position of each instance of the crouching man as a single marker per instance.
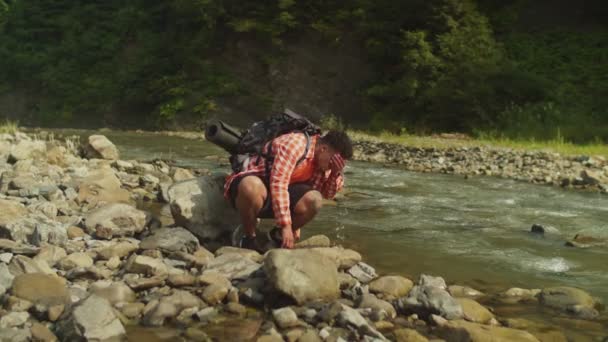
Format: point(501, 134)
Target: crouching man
point(290, 186)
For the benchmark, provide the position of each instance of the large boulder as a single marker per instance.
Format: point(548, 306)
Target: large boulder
point(101, 186)
point(93, 319)
point(304, 275)
point(171, 240)
point(199, 206)
point(100, 147)
point(463, 331)
point(115, 219)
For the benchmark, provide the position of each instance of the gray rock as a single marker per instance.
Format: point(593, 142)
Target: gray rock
point(371, 302)
point(199, 206)
point(430, 281)
point(114, 292)
point(14, 319)
point(350, 317)
point(207, 314)
point(425, 300)
point(15, 335)
point(363, 272)
point(75, 260)
point(170, 307)
point(17, 248)
point(115, 219)
point(6, 257)
point(100, 147)
point(314, 241)
point(6, 278)
point(146, 265)
point(10, 212)
point(233, 266)
point(302, 274)
point(119, 249)
point(26, 149)
point(214, 294)
point(91, 319)
point(171, 240)
point(285, 317)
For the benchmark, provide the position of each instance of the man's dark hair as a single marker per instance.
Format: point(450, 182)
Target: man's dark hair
point(339, 141)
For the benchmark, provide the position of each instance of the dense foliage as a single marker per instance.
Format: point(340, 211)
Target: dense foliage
point(438, 65)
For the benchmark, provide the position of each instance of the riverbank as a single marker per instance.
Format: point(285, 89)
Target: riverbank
point(72, 219)
point(554, 163)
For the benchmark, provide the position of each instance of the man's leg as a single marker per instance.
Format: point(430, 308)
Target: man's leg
point(305, 210)
point(250, 198)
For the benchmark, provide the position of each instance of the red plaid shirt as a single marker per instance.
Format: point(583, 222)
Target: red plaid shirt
point(288, 149)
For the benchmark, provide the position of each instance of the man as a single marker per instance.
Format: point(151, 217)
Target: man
point(299, 178)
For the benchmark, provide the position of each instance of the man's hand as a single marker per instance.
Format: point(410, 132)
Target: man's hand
point(287, 237)
point(336, 164)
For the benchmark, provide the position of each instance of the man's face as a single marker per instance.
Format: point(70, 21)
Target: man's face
point(324, 156)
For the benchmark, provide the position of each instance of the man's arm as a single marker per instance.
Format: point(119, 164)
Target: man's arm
point(287, 150)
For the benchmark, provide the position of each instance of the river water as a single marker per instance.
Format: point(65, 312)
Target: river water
point(470, 231)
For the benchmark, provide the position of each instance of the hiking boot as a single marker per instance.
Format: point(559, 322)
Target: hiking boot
point(249, 242)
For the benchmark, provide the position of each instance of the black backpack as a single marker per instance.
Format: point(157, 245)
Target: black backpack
point(254, 139)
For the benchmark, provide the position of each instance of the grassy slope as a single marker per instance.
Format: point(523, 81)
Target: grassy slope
point(559, 146)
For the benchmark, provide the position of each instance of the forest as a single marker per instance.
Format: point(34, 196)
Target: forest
point(514, 68)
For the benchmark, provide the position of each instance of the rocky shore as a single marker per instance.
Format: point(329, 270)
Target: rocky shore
point(82, 258)
point(579, 172)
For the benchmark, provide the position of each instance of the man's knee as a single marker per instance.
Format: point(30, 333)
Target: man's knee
point(312, 202)
point(251, 188)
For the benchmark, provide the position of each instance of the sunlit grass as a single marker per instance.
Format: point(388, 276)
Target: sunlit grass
point(556, 145)
point(10, 127)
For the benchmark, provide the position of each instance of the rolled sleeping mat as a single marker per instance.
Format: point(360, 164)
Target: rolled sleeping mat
point(223, 135)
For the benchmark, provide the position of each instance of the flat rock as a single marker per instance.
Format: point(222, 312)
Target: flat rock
point(243, 252)
point(409, 335)
point(171, 240)
point(233, 266)
point(50, 254)
point(302, 274)
point(41, 289)
point(460, 330)
point(14, 319)
point(474, 311)
point(569, 299)
point(115, 219)
point(314, 241)
point(464, 291)
point(15, 335)
point(119, 249)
